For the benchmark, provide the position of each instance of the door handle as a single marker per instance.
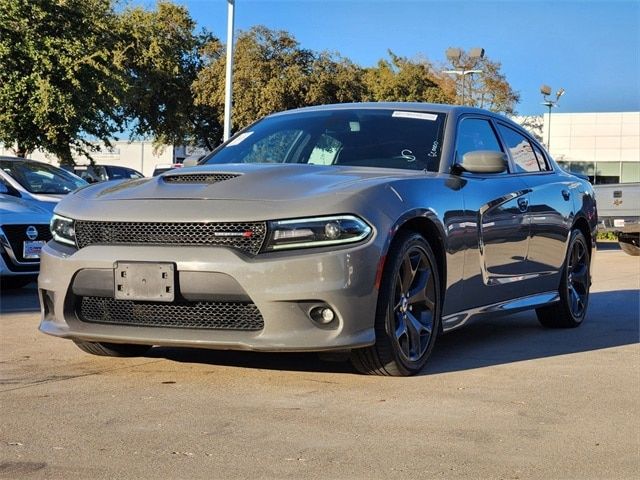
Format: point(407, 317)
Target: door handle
point(566, 194)
point(523, 204)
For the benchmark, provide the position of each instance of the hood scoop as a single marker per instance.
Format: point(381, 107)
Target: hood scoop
point(198, 178)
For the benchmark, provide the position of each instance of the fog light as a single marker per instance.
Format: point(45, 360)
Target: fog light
point(328, 315)
point(322, 315)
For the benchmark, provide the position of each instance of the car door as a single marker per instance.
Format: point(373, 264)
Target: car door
point(498, 203)
point(550, 206)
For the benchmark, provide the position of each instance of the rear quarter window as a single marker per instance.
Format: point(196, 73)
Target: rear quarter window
point(524, 158)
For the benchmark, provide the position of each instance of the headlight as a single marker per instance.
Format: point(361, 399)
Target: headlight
point(63, 230)
point(316, 232)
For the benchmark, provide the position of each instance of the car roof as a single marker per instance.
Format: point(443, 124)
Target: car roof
point(17, 159)
point(31, 160)
point(415, 106)
point(101, 165)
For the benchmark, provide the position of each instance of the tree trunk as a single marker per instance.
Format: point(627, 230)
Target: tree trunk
point(21, 151)
point(63, 151)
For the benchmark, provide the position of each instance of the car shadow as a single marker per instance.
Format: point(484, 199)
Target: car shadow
point(612, 321)
point(285, 361)
point(20, 300)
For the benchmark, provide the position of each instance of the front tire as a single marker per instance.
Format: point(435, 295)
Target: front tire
point(408, 311)
point(112, 349)
point(570, 311)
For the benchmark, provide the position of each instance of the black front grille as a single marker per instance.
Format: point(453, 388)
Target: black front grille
point(204, 315)
point(17, 235)
point(199, 177)
point(247, 237)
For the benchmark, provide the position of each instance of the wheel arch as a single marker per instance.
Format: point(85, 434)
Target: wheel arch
point(581, 223)
point(426, 223)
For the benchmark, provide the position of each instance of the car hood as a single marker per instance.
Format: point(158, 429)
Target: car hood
point(256, 182)
point(254, 192)
point(15, 210)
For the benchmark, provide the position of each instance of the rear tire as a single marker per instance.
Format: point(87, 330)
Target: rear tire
point(408, 311)
point(112, 349)
point(570, 311)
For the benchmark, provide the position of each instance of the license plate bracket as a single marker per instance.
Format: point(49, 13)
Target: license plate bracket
point(149, 281)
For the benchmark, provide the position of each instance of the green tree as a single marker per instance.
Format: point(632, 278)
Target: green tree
point(334, 79)
point(489, 89)
point(403, 80)
point(492, 91)
point(273, 73)
point(163, 56)
point(270, 74)
point(61, 78)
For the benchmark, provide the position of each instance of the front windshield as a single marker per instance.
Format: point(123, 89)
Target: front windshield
point(364, 138)
point(37, 177)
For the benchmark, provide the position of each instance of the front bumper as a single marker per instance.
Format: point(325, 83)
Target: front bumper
point(284, 286)
point(10, 264)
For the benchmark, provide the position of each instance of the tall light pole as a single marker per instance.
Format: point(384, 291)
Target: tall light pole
point(545, 90)
point(228, 79)
point(454, 55)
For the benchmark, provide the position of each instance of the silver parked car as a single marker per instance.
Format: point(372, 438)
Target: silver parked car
point(24, 229)
point(371, 228)
point(29, 190)
point(37, 181)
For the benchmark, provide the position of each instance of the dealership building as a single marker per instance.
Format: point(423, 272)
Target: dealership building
point(604, 146)
point(142, 156)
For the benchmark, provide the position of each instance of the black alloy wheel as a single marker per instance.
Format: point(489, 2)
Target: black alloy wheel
point(414, 305)
point(575, 282)
point(408, 312)
point(578, 279)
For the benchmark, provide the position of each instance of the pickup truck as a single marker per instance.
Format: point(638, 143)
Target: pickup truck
point(619, 212)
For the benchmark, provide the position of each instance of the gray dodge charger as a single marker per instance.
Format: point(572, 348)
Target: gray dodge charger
point(370, 228)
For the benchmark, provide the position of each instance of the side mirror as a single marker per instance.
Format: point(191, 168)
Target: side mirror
point(483, 161)
point(3, 188)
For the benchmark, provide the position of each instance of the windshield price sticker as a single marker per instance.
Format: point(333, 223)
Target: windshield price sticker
point(419, 115)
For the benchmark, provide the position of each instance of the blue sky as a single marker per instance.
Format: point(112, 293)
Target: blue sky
point(590, 48)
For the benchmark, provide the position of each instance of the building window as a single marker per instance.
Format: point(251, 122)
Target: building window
point(583, 168)
point(608, 172)
point(605, 172)
point(630, 172)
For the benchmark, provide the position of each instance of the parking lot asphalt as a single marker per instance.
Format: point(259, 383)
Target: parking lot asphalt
point(502, 398)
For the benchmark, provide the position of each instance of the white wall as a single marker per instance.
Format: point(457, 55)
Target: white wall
point(137, 155)
point(589, 137)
